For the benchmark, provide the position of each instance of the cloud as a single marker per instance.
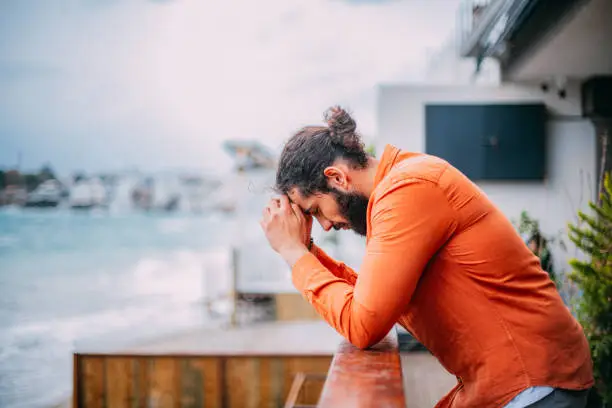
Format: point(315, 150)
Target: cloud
point(180, 77)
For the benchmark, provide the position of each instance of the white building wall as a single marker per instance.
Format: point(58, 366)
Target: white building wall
point(571, 167)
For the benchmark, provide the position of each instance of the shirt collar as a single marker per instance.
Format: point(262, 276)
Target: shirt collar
point(387, 161)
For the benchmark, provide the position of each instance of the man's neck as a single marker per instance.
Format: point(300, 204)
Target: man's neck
point(364, 179)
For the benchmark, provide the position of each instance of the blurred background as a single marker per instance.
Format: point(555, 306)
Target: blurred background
point(138, 142)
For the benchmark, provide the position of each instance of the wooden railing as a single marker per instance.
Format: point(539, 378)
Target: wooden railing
point(365, 378)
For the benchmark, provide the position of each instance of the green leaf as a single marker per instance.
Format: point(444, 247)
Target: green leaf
point(592, 234)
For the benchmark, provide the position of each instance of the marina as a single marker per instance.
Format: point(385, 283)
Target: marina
point(193, 192)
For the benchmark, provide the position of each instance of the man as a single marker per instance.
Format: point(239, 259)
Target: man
point(441, 260)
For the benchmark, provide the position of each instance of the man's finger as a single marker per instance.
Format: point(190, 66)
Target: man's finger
point(274, 204)
point(285, 205)
point(298, 212)
point(266, 213)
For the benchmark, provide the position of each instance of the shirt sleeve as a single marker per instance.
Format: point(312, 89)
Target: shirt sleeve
point(409, 223)
point(338, 269)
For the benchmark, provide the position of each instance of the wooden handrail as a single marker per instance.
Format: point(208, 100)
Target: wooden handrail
point(365, 378)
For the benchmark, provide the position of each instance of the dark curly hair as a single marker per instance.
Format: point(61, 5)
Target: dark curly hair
point(313, 148)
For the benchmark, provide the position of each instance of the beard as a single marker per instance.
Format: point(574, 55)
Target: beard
point(354, 208)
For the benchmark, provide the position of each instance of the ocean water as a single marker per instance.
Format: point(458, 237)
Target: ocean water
point(67, 278)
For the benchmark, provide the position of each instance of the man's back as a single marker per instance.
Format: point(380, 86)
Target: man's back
point(483, 305)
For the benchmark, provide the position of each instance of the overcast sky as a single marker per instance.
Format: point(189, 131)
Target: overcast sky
point(110, 84)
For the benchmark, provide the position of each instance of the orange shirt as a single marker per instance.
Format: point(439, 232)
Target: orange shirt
point(444, 262)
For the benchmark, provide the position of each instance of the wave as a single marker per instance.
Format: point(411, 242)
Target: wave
point(70, 329)
point(159, 293)
point(35, 357)
point(181, 276)
point(103, 295)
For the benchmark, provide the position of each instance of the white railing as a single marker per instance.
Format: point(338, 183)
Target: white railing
point(483, 24)
point(473, 19)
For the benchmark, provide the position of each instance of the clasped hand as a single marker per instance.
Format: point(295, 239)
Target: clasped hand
point(286, 227)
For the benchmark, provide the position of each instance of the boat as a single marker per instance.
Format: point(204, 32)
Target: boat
point(196, 192)
point(165, 191)
point(88, 194)
point(46, 195)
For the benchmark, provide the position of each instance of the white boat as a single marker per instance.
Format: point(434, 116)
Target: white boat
point(123, 192)
point(88, 194)
point(196, 192)
point(166, 193)
point(47, 194)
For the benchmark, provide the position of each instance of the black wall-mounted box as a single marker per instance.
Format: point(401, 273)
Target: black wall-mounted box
point(597, 97)
point(489, 141)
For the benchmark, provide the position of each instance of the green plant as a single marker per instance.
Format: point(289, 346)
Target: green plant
point(371, 150)
point(530, 226)
point(593, 275)
point(526, 224)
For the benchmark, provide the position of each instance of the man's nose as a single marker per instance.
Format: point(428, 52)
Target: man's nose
point(325, 223)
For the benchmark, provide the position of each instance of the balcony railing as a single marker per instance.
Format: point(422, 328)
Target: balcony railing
point(484, 24)
point(473, 20)
point(295, 365)
point(365, 378)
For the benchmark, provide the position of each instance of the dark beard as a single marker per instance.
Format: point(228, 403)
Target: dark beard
point(354, 208)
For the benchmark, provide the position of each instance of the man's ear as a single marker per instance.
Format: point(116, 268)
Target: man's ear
point(336, 178)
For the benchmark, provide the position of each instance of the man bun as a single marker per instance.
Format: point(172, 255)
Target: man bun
point(342, 129)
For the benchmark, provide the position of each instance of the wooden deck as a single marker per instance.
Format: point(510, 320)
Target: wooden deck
point(251, 366)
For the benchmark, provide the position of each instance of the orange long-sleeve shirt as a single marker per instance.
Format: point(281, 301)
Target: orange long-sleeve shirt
point(446, 264)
